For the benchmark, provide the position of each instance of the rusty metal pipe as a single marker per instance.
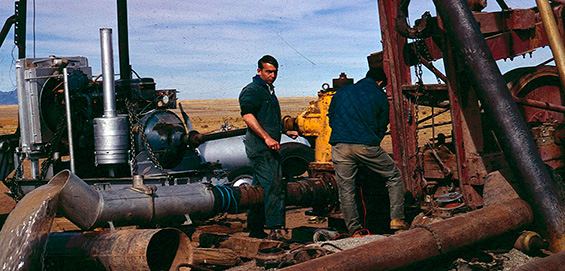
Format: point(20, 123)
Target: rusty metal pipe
point(540, 104)
point(553, 262)
point(515, 139)
point(311, 192)
point(422, 243)
point(152, 249)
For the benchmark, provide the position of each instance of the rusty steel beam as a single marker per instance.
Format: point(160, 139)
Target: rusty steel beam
point(402, 124)
point(432, 240)
point(150, 249)
point(514, 136)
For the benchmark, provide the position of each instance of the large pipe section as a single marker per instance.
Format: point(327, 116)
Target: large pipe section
point(149, 249)
point(88, 208)
point(554, 37)
point(111, 138)
point(432, 240)
point(513, 134)
point(313, 192)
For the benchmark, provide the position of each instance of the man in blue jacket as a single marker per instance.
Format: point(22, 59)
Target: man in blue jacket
point(359, 116)
point(261, 112)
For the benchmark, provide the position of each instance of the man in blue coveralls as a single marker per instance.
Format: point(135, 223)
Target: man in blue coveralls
point(261, 112)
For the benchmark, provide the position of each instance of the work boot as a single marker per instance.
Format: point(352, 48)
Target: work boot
point(277, 235)
point(260, 234)
point(398, 224)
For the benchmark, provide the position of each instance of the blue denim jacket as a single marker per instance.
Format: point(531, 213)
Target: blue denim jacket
point(358, 114)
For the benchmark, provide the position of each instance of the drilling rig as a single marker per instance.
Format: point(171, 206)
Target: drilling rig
point(503, 139)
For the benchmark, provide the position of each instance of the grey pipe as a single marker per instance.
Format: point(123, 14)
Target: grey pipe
point(88, 208)
point(69, 119)
point(108, 72)
point(513, 134)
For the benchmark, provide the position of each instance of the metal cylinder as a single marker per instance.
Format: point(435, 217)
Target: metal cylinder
point(230, 152)
point(152, 249)
point(78, 201)
point(111, 140)
point(26, 229)
point(515, 139)
point(196, 198)
point(311, 192)
point(88, 208)
point(421, 243)
point(108, 72)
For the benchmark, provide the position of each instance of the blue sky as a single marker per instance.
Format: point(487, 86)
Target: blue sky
point(209, 49)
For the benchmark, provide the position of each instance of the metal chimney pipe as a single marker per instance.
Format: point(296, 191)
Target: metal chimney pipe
point(110, 131)
point(108, 72)
point(516, 141)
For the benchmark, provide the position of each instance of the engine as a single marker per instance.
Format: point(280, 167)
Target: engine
point(117, 129)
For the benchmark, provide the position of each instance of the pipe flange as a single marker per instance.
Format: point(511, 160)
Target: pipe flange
point(434, 235)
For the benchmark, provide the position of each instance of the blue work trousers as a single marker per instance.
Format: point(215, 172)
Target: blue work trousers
point(267, 174)
point(346, 160)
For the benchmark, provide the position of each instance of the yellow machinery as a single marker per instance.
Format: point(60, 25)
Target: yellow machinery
point(313, 123)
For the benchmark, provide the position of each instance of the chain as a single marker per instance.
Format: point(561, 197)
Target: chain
point(16, 191)
point(133, 121)
point(476, 264)
point(419, 75)
point(136, 126)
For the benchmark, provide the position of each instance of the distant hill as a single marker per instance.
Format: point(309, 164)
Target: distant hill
point(8, 97)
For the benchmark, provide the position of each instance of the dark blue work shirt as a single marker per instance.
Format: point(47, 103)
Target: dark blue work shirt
point(255, 98)
point(358, 114)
